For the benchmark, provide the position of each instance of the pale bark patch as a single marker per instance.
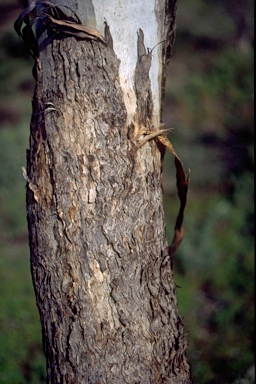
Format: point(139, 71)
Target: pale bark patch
point(125, 19)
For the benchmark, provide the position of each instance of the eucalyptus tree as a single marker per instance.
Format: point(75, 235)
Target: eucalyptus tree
point(100, 261)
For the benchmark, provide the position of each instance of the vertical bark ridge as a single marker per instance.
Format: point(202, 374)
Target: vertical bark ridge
point(142, 84)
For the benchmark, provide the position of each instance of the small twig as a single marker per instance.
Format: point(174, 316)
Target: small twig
point(150, 50)
point(151, 135)
point(160, 42)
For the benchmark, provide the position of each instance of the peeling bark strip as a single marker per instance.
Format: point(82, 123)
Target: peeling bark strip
point(99, 255)
point(54, 18)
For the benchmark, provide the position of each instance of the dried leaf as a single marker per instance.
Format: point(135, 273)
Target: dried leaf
point(23, 18)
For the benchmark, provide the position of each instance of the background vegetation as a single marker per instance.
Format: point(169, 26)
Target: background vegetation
point(209, 102)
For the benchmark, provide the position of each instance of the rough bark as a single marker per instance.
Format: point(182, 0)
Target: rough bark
point(99, 254)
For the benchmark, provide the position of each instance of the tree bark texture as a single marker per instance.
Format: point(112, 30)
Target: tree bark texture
point(99, 254)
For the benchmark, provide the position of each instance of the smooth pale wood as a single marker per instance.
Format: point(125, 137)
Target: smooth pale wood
point(99, 254)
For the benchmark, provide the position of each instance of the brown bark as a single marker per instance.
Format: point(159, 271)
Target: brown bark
point(99, 254)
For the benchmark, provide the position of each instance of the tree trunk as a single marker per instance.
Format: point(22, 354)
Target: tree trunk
point(99, 254)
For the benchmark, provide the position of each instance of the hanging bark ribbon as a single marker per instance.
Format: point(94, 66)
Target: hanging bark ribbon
point(182, 182)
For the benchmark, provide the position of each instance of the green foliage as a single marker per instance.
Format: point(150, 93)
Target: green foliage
point(12, 185)
point(15, 68)
point(227, 87)
point(214, 275)
point(211, 94)
point(21, 355)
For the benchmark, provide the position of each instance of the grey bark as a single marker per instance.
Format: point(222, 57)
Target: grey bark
point(99, 254)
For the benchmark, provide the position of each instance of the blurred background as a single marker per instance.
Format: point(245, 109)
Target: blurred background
point(209, 103)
